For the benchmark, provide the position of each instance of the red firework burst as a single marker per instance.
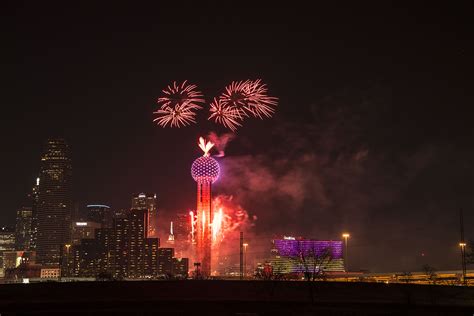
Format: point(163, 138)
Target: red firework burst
point(177, 116)
point(259, 103)
point(183, 94)
point(227, 115)
point(249, 97)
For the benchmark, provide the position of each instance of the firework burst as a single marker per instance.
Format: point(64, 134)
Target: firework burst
point(242, 99)
point(183, 94)
point(229, 116)
point(258, 102)
point(180, 115)
point(178, 105)
point(236, 95)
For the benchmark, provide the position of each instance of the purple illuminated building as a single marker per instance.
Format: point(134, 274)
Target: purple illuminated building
point(292, 248)
point(297, 255)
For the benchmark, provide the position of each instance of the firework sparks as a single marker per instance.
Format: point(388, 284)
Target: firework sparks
point(178, 95)
point(224, 114)
point(217, 224)
point(192, 222)
point(259, 103)
point(236, 94)
point(178, 105)
point(177, 116)
point(229, 218)
point(242, 99)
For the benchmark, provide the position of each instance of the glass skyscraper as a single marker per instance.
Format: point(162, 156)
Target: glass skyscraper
point(24, 228)
point(147, 202)
point(54, 202)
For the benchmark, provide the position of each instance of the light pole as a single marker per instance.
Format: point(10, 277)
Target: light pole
point(346, 254)
point(245, 258)
point(463, 261)
point(67, 259)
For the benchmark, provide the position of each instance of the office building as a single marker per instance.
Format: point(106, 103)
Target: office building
point(180, 267)
point(294, 256)
point(101, 214)
point(54, 202)
point(165, 261)
point(83, 230)
point(147, 202)
point(7, 243)
point(24, 229)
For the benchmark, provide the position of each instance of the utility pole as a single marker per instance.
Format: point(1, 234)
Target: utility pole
point(241, 255)
point(346, 252)
point(462, 244)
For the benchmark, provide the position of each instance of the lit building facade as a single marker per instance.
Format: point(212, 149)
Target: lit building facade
point(7, 243)
point(34, 208)
point(180, 267)
point(24, 228)
point(54, 207)
point(165, 261)
point(182, 227)
point(293, 256)
point(101, 214)
point(83, 230)
point(50, 273)
point(123, 251)
point(13, 259)
point(147, 202)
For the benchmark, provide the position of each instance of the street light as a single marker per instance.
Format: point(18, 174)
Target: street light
point(462, 244)
point(67, 258)
point(245, 258)
point(346, 257)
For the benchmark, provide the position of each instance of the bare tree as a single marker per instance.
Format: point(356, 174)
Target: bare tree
point(313, 261)
point(430, 273)
point(406, 277)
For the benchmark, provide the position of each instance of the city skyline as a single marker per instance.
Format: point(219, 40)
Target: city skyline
point(372, 127)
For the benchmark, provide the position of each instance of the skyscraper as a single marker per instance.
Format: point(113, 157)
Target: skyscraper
point(7, 243)
point(182, 227)
point(54, 202)
point(101, 214)
point(83, 230)
point(23, 228)
point(147, 202)
point(34, 213)
point(135, 255)
point(165, 261)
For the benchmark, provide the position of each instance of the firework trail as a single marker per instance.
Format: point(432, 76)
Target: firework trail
point(178, 105)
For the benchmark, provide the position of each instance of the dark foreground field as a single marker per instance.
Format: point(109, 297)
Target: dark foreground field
point(233, 298)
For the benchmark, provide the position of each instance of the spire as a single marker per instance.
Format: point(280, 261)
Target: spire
point(171, 235)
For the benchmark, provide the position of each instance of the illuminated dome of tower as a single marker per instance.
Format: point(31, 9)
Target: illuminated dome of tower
point(205, 169)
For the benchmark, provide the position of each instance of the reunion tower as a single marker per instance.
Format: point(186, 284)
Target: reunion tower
point(205, 171)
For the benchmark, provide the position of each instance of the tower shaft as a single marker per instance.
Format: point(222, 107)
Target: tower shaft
point(204, 227)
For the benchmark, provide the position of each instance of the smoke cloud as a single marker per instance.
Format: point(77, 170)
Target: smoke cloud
point(220, 142)
point(339, 172)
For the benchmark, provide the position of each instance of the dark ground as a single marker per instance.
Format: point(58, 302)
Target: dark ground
point(233, 298)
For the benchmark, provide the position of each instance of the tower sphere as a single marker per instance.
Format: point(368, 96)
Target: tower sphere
point(205, 169)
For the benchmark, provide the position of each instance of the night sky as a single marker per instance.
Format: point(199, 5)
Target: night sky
point(373, 133)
